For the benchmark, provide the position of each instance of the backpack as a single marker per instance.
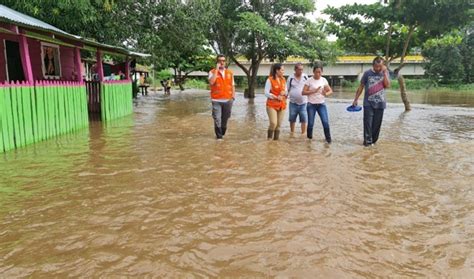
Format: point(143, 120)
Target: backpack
point(291, 80)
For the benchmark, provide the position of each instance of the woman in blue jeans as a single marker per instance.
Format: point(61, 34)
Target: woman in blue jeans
point(317, 88)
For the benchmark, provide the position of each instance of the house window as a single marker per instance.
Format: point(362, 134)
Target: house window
point(51, 63)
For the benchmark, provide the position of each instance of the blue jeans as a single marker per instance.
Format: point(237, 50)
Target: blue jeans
point(298, 110)
point(323, 115)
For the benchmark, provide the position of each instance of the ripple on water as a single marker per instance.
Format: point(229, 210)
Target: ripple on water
point(155, 195)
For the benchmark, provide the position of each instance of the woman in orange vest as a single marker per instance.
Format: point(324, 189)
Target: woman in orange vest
point(221, 81)
point(275, 91)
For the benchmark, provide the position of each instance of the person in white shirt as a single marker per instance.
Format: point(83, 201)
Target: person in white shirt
point(294, 86)
point(317, 88)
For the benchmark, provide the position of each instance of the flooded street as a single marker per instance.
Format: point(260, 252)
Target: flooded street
point(155, 195)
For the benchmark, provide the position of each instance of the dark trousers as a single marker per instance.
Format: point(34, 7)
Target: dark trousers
point(372, 123)
point(322, 111)
point(221, 113)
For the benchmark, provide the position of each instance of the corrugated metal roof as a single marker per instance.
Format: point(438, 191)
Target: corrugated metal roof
point(11, 16)
point(19, 18)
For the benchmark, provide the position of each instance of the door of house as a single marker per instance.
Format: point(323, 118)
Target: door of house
point(14, 66)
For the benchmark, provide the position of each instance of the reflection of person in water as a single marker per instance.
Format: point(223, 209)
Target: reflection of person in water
point(49, 61)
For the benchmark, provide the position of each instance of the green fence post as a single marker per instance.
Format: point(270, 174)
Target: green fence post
point(34, 116)
point(102, 101)
point(40, 110)
point(49, 98)
point(57, 126)
point(3, 124)
point(26, 97)
point(18, 113)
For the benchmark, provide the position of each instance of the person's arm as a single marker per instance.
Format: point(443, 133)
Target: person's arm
point(386, 78)
point(233, 87)
point(212, 77)
point(363, 82)
point(327, 90)
point(308, 91)
point(268, 88)
point(358, 93)
point(213, 74)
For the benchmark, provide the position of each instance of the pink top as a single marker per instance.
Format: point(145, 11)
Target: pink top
point(316, 98)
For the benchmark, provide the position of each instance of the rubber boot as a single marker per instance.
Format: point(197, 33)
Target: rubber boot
point(327, 135)
point(270, 134)
point(223, 130)
point(276, 136)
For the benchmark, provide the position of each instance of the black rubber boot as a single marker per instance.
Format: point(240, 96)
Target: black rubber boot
point(270, 134)
point(223, 130)
point(327, 134)
point(276, 136)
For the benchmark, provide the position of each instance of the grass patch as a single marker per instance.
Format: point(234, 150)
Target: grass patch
point(196, 84)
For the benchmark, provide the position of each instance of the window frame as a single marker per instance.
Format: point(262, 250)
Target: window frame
point(43, 66)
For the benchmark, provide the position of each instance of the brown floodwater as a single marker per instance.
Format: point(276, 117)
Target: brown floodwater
point(155, 195)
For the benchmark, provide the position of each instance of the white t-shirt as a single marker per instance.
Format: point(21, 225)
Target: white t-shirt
point(296, 90)
point(316, 98)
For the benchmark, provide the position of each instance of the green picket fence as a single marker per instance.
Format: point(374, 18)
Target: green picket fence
point(31, 113)
point(116, 99)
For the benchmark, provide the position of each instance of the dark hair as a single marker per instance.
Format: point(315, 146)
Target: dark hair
point(377, 60)
point(298, 64)
point(219, 56)
point(318, 66)
point(275, 68)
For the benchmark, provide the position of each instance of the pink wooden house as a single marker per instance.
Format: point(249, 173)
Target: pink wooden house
point(41, 69)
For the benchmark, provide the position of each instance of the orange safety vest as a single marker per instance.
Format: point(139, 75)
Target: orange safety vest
point(278, 85)
point(222, 88)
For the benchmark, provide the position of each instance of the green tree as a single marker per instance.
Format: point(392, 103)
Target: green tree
point(444, 60)
point(395, 28)
point(467, 52)
point(107, 21)
point(173, 31)
point(182, 30)
point(259, 29)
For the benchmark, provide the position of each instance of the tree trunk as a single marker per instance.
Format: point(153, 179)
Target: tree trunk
point(178, 79)
point(252, 79)
point(401, 79)
point(250, 90)
point(403, 92)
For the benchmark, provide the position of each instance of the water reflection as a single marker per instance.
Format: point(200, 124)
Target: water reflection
point(154, 194)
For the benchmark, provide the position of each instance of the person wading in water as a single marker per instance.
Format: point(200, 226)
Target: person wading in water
point(317, 88)
point(375, 81)
point(298, 101)
point(275, 91)
point(221, 81)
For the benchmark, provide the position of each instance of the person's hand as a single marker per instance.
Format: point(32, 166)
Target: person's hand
point(218, 66)
point(318, 90)
point(354, 103)
point(384, 69)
